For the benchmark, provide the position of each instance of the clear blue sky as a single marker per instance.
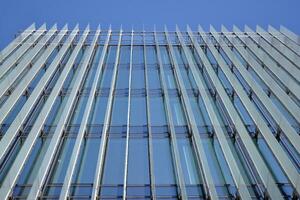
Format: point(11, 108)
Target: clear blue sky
point(16, 15)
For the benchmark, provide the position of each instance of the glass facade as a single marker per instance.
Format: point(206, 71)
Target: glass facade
point(113, 114)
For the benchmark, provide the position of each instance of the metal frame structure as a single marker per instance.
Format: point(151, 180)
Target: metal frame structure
point(218, 130)
point(128, 120)
point(285, 41)
point(284, 63)
point(283, 124)
point(242, 141)
point(46, 163)
point(290, 55)
point(16, 42)
point(290, 105)
point(12, 60)
point(150, 142)
point(37, 127)
point(80, 135)
point(171, 128)
point(278, 152)
point(192, 124)
point(24, 83)
point(101, 156)
point(262, 169)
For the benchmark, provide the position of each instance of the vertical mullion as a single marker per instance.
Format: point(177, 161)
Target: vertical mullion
point(128, 122)
point(10, 78)
point(12, 175)
point(9, 62)
point(284, 40)
point(4, 143)
point(202, 159)
point(278, 152)
point(279, 72)
point(262, 169)
point(175, 151)
point(219, 131)
point(24, 83)
point(150, 142)
point(275, 55)
point(16, 42)
point(292, 36)
point(46, 163)
point(80, 135)
point(270, 82)
point(20, 118)
point(102, 149)
point(283, 49)
point(282, 122)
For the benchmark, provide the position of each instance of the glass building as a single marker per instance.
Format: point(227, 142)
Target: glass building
point(113, 114)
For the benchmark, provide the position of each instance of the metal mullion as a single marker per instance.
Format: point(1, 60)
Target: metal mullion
point(11, 133)
point(42, 172)
point(252, 151)
point(278, 152)
point(292, 36)
point(279, 72)
point(102, 149)
point(15, 169)
point(12, 59)
point(286, 64)
point(128, 122)
point(24, 83)
point(282, 122)
point(284, 40)
point(283, 49)
point(288, 103)
point(210, 189)
point(15, 73)
point(4, 147)
point(53, 146)
point(150, 142)
point(83, 125)
point(16, 42)
point(219, 131)
point(174, 145)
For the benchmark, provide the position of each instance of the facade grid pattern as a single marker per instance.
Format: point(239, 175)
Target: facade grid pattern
point(114, 114)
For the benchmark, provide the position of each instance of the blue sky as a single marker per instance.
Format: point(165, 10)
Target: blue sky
point(16, 15)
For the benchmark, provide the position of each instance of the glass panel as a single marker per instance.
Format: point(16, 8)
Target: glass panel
point(164, 55)
point(123, 78)
point(111, 55)
point(61, 164)
point(79, 110)
point(98, 111)
point(114, 162)
point(138, 115)
point(138, 162)
point(124, 55)
point(106, 76)
point(138, 78)
point(170, 78)
point(151, 55)
point(157, 112)
point(138, 55)
point(119, 116)
point(153, 78)
point(162, 162)
point(188, 162)
point(177, 112)
point(86, 164)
